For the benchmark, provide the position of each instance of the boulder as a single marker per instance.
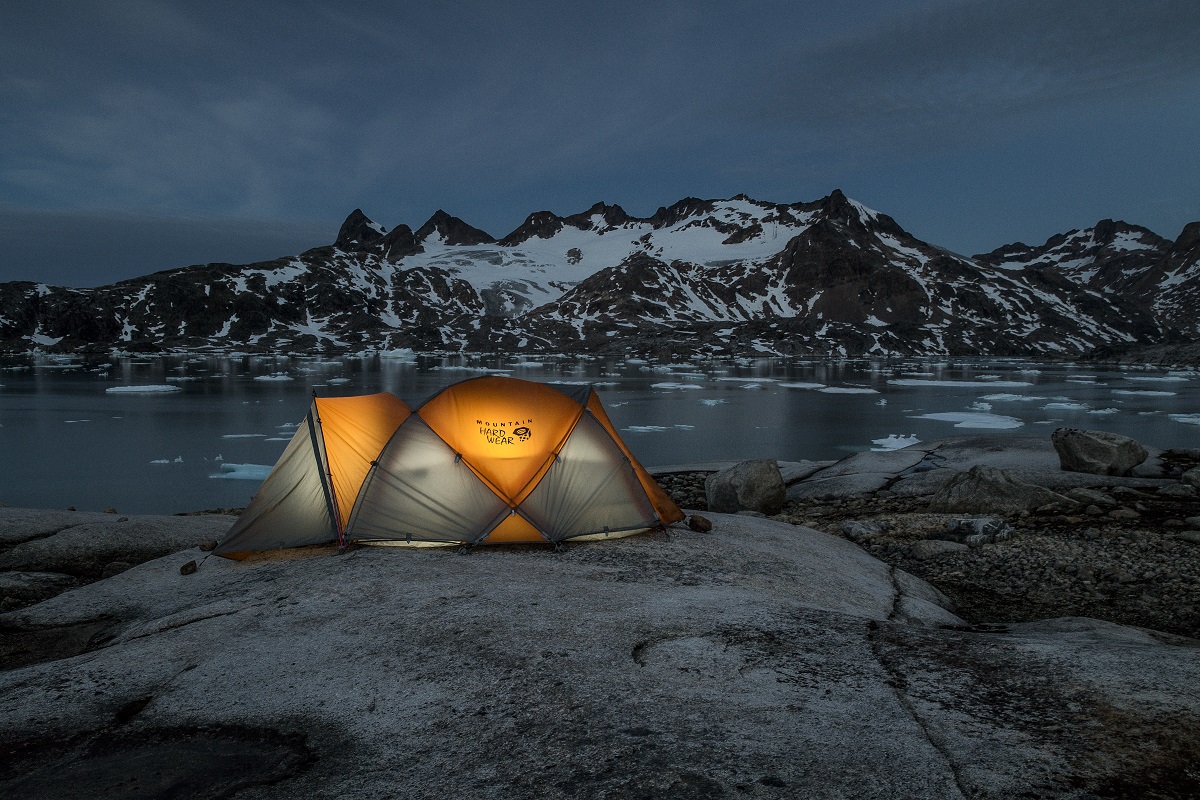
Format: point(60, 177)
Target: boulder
point(986, 490)
point(1191, 477)
point(748, 486)
point(1097, 452)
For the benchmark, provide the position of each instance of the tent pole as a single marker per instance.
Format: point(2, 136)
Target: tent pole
point(315, 430)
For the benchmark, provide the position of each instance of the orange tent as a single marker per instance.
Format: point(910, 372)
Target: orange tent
point(487, 460)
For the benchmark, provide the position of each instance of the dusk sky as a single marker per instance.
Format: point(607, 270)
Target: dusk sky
point(138, 136)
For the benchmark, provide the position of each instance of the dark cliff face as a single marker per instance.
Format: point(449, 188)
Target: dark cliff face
point(846, 280)
point(357, 231)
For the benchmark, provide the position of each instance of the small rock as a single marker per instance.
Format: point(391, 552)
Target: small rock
point(1191, 477)
point(1189, 536)
point(860, 531)
point(695, 522)
point(110, 510)
point(211, 544)
point(1093, 510)
point(745, 512)
point(976, 531)
point(1124, 513)
point(122, 519)
point(188, 568)
point(1177, 490)
point(1193, 522)
point(933, 548)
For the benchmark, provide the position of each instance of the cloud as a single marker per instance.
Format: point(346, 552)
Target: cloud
point(961, 67)
point(142, 146)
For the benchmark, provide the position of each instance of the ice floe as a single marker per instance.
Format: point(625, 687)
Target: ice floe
point(243, 435)
point(278, 378)
point(956, 384)
point(1144, 392)
point(1012, 398)
point(847, 390)
point(802, 385)
point(895, 441)
point(974, 419)
point(670, 385)
point(657, 428)
point(243, 472)
point(713, 402)
point(1189, 419)
point(161, 388)
point(1066, 406)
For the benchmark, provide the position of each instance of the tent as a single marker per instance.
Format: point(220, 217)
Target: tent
point(484, 461)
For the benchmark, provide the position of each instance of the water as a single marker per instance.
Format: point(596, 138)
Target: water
point(66, 441)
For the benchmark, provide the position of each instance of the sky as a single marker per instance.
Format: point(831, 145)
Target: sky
point(138, 136)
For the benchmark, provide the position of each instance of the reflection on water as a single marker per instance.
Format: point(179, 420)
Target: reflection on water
point(203, 441)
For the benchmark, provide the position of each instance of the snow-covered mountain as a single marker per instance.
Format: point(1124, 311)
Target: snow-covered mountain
point(830, 277)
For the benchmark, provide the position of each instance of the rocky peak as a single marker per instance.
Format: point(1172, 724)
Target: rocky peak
point(399, 243)
point(1188, 243)
point(452, 231)
point(614, 216)
point(676, 213)
point(542, 224)
point(839, 208)
point(358, 231)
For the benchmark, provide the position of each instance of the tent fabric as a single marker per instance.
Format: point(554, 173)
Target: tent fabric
point(487, 460)
point(355, 430)
point(309, 494)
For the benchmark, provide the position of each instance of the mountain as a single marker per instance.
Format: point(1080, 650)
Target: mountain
point(716, 277)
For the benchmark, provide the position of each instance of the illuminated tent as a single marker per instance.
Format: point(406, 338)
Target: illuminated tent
point(485, 461)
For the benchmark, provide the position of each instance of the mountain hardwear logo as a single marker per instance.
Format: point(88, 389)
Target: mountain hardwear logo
point(507, 432)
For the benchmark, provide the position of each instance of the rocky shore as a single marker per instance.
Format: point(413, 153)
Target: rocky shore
point(1127, 550)
point(959, 619)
